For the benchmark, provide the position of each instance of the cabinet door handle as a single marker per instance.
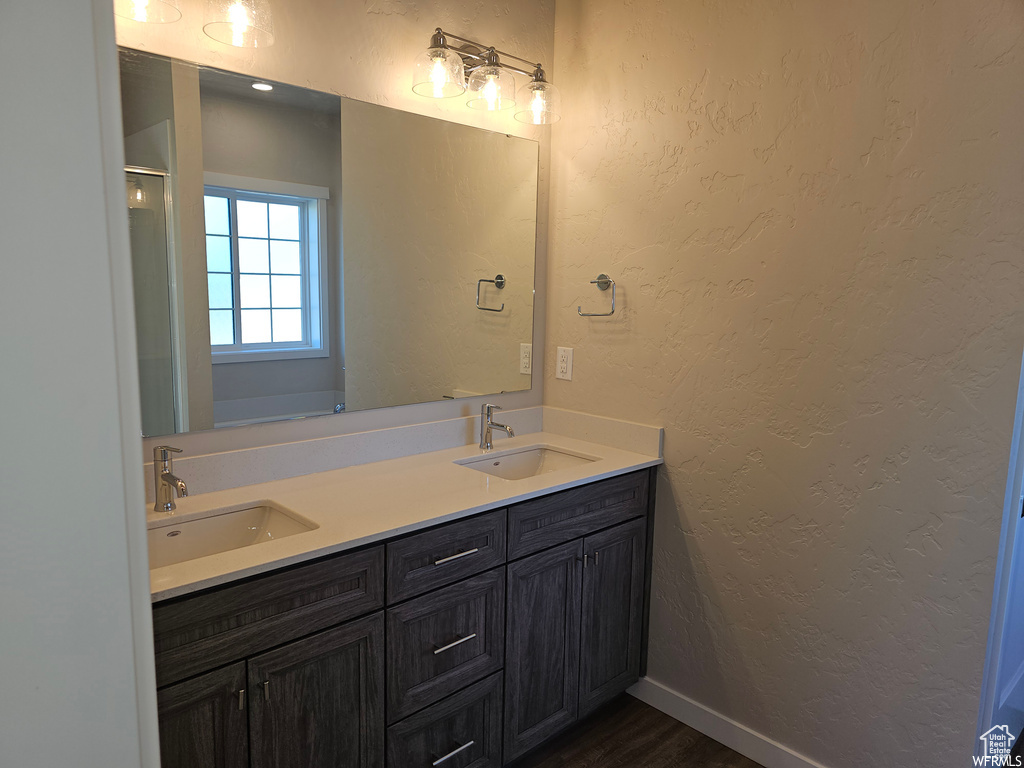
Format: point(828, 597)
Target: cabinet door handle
point(453, 753)
point(448, 647)
point(595, 557)
point(241, 699)
point(266, 690)
point(444, 560)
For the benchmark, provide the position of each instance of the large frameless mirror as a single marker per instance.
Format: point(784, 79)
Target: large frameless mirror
point(296, 253)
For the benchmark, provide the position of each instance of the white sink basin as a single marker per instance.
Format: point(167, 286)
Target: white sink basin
point(529, 461)
point(177, 540)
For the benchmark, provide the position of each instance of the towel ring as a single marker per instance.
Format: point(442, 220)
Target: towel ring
point(603, 282)
point(499, 283)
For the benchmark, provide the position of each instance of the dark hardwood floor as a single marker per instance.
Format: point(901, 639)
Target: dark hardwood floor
point(627, 733)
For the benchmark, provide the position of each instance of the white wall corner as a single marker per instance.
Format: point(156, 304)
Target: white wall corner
point(717, 726)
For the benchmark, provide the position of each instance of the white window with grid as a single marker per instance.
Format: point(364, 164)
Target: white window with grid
point(264, 269)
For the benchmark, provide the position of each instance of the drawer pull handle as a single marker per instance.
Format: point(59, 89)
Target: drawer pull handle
point(448, 647)
point(454, 752)
point(444, 560)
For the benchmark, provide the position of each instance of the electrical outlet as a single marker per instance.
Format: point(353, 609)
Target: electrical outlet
point(526, 358)
point(563, 366)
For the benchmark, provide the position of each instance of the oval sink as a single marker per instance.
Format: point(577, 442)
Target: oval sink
point(529, 461)
point(174, 541)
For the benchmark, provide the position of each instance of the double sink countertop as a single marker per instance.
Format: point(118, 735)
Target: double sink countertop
point(367, 503)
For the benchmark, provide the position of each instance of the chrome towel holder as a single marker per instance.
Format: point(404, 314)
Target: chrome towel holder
point(499, 283)
point(603, 282)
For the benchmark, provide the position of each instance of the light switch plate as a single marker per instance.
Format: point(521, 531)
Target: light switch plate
point(563, 364)
point(526, 358)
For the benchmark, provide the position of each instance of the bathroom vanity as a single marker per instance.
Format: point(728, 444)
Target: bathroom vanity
point(466, 643)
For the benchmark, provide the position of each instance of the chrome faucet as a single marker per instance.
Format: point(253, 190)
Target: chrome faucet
point(487, 423)
point(166, 484)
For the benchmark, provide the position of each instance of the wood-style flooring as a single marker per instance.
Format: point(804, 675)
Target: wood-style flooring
point(627, 733)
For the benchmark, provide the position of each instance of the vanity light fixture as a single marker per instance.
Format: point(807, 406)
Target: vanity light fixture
point(263, 86)
point(241, 23)
point(442, 71)
point(148, 11)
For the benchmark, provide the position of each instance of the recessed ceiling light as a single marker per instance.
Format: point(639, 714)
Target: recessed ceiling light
point(263, 86)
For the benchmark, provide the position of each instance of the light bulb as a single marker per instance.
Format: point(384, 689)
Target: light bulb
point(439, 77)
point(140, 10)
point(538, 106)
point(491, 93)
point(239, 18)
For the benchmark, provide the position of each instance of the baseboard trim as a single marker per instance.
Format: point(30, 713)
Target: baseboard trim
point(737, 737)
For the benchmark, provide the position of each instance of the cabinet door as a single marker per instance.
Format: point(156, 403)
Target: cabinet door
point(319, 702)
point(542, 647)
point(202, 721)
point(613, 598)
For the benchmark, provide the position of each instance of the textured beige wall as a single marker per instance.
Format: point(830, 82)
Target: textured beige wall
point(420, 228)
point(813, 211)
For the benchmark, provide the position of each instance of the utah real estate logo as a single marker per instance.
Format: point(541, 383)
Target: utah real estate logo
point(998, 743)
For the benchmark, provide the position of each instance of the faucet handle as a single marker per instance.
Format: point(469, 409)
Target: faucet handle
point(163, 453)
point(487, 411)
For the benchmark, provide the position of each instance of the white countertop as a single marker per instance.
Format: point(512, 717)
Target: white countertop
point(367, 503)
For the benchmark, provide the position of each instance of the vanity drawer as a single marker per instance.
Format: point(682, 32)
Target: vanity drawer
point(444, 555)
point(197, 633)
point(441, 642)
point(550, 520)
point(463, 731)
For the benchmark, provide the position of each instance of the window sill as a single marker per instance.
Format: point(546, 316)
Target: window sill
point(268, 355)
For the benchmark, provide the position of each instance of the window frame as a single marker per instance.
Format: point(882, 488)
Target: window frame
point(314, 272)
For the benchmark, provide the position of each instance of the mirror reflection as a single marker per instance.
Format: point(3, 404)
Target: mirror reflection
point(295, 253)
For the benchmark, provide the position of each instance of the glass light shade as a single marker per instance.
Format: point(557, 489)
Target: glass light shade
point(241, 23)
point(137, 196)
point(439, 74)
point(492, 88)
point(148, 11)
point(539, 103)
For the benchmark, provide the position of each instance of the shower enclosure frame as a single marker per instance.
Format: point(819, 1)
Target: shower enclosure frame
point(175, 299)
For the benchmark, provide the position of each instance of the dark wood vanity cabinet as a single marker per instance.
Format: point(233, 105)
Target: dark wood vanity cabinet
point(542, 666)
point(319, 702)
point(304, 686)
point(611, 612)
point(502, 629)
point(574, 632)
point(203, 721)
point(314, 703)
